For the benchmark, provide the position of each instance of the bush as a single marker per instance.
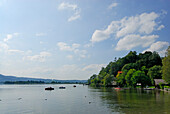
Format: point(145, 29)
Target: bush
point(161, 85)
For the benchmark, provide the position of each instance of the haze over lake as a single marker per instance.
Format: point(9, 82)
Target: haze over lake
point(18, 99)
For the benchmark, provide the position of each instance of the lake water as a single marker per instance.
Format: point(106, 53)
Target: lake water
point(33, 99)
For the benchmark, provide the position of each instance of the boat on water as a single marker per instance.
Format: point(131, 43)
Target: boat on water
point(149, 88)
point(117, 88)
point(62, 87)
point(74, 85)
point(49, 88)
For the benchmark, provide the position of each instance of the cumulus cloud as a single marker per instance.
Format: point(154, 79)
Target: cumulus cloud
point(112, 5)
point(139, 24)
point(73, 48)
point(5, 48)
point(94, 67)
point(160, 27)
point(10, 36)
point(132, 31)
point(159, 47)
point(65, 47)
point(81, 53)
point(40, 57)
point(100, 35)
point(131, 41)
point(72, 7)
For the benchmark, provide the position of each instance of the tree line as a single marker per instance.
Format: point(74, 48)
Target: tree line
point(134, 68)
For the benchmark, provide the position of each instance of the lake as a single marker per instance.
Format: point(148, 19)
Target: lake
point(33, 99)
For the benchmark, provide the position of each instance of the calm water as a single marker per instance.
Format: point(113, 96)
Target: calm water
point(33, 99)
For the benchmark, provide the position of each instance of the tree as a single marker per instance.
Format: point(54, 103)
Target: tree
point(121, 78)
point(166, 66)
point(129, 76)
point(155, 72)
point(129, 66)
point(154, 59)
point(139, 77)
point(108, 80)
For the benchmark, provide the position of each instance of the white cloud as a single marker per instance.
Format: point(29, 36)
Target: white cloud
point(40, 57)
point(134, 31)
point(72, 7)
point(64, 47)
point(94, 67)
point(131, 41)
point(3, 46)
point(15, 51)
point(74, 17)
point(40, 34)
point(112, 5)
point(10, 36)
point(16, 34)
point(139, 24)
point(88, 45)
point(67, 6)
point(159, 47)
point(81, 53)
point(160, 27)
point(77, 72)
point(73, 48)
point(100, 35)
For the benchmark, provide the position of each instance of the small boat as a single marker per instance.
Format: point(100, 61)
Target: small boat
point(49, 88)
point(149, 88)
point(62, 87)
point(74, 85)
point(117, 88)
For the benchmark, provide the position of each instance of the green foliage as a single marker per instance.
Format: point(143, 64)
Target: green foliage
point(155, 72)
point(161, 85)
point(166, 66)
point(139, 77)
point(166, 86)
point(129, 76)
point(121, 79)
point(135, 70)
point(108, 80)
point(129, 66)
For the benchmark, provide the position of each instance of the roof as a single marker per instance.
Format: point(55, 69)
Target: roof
point(157, 81)
point(120, 72)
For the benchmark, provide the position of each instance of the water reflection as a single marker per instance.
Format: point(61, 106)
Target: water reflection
point(135, 100)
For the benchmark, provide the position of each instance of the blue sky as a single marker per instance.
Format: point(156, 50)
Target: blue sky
point(73, 39)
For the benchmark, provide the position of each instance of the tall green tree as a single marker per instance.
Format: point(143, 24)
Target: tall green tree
point(108, 80)
point(139, 77)
point(155, 72)
point(129, 76)
point(121, 79)
point(166, 66)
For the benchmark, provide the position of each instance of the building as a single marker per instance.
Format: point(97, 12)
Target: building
point(158, 81)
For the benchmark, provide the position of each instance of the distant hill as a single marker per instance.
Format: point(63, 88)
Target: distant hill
point(4, 78)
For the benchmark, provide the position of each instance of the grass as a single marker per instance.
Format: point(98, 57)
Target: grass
point(151, 87)
point(166, 86)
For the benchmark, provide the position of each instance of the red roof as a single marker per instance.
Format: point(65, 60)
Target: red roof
point(120, 72)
